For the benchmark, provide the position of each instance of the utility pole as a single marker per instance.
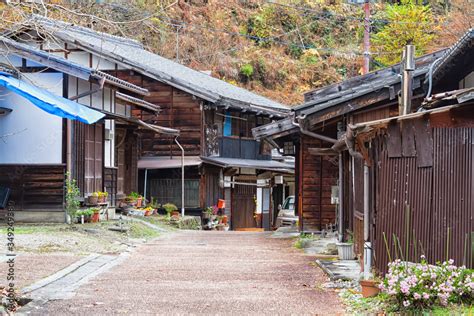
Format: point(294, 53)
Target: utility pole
point(408, 64)
point(366, 67)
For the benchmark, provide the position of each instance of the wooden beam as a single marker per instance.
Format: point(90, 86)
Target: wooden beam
point(322, 151)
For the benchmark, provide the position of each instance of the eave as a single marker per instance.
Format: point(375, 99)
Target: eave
point(138, 102)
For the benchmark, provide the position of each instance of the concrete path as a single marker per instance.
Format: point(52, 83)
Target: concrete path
point(64, 283)
point(200, 272)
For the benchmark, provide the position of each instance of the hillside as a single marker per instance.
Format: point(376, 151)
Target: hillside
point(279, 49)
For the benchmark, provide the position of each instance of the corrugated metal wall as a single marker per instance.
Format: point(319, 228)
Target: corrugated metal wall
point(439, 197)
point(453, 191)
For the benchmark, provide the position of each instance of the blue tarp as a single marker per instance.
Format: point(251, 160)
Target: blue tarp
point(50, 102)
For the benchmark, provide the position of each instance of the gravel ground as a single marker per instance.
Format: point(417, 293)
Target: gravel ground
point(199, 272)
point(30, 268)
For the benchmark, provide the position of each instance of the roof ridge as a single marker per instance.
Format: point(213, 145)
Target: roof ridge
point(161, 68)
point(87, 31)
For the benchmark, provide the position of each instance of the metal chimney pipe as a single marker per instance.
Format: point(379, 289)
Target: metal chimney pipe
point(408, 64)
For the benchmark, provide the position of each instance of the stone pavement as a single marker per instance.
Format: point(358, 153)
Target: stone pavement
point(205, 272)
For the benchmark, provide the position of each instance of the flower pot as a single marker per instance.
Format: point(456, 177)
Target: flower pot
point(147, 213)
point(258, 219)
point(175, 213)
point(139, 202)
point(369, 288)
point(220, 203)
point(95, 217)
point(224, 219)
point(92, 200)
point(206, 215)
point(345, 251)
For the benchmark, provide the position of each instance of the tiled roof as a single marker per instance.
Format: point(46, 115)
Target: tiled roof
point(132, 53)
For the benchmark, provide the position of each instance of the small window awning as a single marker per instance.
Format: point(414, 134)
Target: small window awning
point(50, 102)
point(269, 165)
point(167, 163)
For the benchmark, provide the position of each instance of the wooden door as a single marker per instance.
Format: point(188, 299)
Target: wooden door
point(243, 206)
point(94, 151)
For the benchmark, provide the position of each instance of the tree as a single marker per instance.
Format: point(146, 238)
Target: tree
point(402, 24)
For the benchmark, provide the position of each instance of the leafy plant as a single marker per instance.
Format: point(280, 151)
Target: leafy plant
point(406, 23)
point(247, 70)
point(86, 212)
point(169, 207)
point(209, 210)
point(190, 222)
point(350, 237)
point(304, 240)
point(72, 196)
point(134, 195)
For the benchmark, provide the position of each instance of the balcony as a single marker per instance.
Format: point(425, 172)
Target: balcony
point(244, 148)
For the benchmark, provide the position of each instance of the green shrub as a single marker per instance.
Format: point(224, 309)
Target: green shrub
point(72, 197)
point(190, 222)
point(304, 240)
point(247, 70)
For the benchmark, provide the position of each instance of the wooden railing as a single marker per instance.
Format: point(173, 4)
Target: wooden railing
point(235, 147)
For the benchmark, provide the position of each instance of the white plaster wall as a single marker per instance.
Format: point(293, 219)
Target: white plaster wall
point(38, 135)
point(109, 145)
point(467, 82)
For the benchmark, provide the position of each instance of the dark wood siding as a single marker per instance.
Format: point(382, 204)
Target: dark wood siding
point(179, 110)
point(35, 187)
point(131, 163)
point(110, 183)
point(319, 174)
point(211, 191)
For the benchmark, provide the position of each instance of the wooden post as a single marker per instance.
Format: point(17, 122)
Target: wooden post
point(366, 67)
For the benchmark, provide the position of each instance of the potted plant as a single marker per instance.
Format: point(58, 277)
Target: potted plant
point(148, 210)
point(88, 215)
point(95, 215)
point(80, 216)
point(139, 201)
point(207, 212)
point(133, 199)
point(102, 196)
point(171, 209)
point(345, 250)
point(93, 199)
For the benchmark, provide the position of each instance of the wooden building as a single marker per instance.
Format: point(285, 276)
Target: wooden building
point(349, 142)
point(215, 119)
point(42, 147)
